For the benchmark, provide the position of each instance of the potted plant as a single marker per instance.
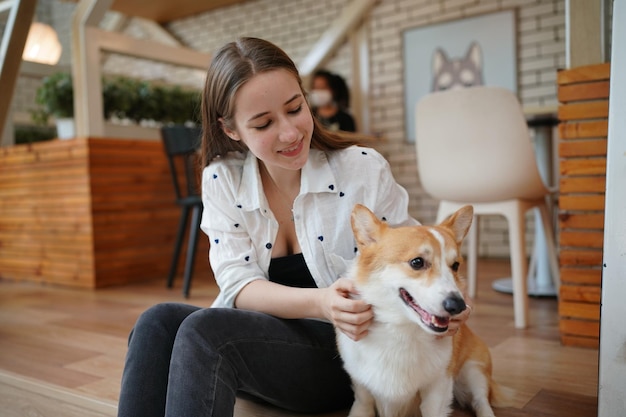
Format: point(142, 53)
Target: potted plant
point(125, 100)
point(56, 96)
point(121, 98)
point(180, 106)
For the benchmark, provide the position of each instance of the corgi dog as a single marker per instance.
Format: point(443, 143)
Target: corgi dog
point(404, 365)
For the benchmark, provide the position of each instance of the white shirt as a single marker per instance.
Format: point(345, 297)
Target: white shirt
point(242, 228)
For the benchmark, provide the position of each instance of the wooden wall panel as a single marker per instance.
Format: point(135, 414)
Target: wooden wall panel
point(135, 217)
point(583, 148)
point(583, 111)
point(583, 91)
point(582, 239)
point(581, 203)
point(581, 276)
point(583, 167)
point(583, 115)
point(45, 217)
point(583, 184)
point(585, 74)
point(581, 220)
point(89, 213)
point(584, 129)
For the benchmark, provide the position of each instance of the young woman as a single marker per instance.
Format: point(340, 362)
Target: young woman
point(278, 192)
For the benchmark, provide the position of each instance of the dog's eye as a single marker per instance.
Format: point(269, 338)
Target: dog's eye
point(455, 266)
point(417, 263)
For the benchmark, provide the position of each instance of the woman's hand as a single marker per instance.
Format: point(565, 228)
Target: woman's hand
point(351, 316)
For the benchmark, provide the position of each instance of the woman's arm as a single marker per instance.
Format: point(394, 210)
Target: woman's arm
point(334, 303)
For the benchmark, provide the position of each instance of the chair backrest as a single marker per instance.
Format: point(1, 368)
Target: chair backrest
point(181, 145)
point(473, 145)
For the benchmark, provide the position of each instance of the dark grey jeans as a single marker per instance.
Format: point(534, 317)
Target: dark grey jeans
point(184, 361)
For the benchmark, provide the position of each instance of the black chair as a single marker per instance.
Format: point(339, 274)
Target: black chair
point(181, 146)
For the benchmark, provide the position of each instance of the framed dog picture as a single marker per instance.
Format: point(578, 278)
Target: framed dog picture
point(479, 50)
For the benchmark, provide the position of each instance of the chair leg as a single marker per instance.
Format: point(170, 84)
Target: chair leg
point(532, 264)
point(178, 245)
point(191, 249)
point(444, 210)
point(551, 246)
point(472, 257)
point(519, 267)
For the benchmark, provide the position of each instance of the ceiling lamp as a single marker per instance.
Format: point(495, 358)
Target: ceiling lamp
point(42, 45)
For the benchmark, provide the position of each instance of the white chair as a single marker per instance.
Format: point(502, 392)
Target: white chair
point(474, 147)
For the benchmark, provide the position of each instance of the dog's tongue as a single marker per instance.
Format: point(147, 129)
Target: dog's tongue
point(436, 323)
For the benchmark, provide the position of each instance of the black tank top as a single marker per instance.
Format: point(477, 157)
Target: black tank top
point(292, 271)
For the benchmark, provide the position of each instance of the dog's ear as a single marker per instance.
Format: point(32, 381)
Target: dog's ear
point(365, 225)
point(460, 222)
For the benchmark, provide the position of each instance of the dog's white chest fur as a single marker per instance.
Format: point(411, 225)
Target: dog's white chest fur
point(395, 362)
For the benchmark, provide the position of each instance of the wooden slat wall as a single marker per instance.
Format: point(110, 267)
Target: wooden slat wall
point(134, 215)
point(583, 114)
point(45, 216)
point(89, 213)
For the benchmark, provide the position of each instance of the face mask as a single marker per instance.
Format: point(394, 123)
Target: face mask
point(319, 98)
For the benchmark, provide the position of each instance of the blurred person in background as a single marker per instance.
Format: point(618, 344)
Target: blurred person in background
point(330, 100)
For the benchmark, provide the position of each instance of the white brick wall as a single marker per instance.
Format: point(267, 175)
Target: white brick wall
point(541, 48)
point(296, 25)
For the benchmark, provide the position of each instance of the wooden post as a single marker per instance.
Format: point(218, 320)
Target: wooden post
point(585, 29)
point(11, 49)
point(360, 80)
point(583, 93)
point(330, 40)
point(88, 107)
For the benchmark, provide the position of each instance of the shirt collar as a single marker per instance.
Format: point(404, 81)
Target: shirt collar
point(317, 177)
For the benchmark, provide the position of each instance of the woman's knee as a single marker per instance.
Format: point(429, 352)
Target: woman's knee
point(217, 327)
point(206, 324)
point(164, 319)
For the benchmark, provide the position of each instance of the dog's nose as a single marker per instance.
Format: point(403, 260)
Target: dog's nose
point(454, 304)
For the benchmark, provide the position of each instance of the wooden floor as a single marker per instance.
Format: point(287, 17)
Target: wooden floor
point(62, 350)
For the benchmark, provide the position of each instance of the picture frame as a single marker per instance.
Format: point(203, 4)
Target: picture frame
point(478, 50)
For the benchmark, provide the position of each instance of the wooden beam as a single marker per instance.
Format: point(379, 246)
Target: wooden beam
point(6, 5)
point(88, 41)
point(360, 80)
point(584, 26)
point(115, 22)
point(88, 107)
point(35, 69)
point(142, 48)
point(11, 49)
point(156, 32)
point(332, 38)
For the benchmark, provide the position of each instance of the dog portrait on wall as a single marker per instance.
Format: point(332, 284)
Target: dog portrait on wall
point(478, 50)
point(451, 72)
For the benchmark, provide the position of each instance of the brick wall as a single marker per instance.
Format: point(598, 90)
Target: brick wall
point(541, 49)
point(296, 25)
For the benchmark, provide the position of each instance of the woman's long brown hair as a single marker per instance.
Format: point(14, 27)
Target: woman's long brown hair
point(233, 65)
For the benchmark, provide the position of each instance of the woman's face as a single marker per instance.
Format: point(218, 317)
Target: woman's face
point(273, 119)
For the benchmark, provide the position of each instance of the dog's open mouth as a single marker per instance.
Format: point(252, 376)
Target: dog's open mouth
point(435, 323)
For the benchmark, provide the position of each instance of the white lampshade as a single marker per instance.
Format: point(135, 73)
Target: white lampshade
point(42, 44)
